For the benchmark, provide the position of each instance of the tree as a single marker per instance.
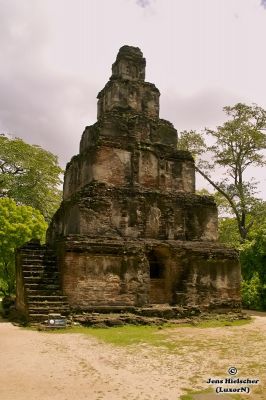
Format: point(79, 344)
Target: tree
point(253, 261)
point(228, 232)
point(238, 145)
point(193, 142)
point(253, 293)
point(18, 224)
point(30, 175)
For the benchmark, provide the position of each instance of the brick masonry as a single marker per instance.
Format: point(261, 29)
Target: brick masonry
point(130, 230)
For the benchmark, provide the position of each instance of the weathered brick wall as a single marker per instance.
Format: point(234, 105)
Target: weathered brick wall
point(96, 277)
point(112, 166)
point(197, 275)
point(109, 212)
point(110, 273)
point(107, 164)
point(129, 95)
point(157, 292)
point(212, 277)
point(117, 167)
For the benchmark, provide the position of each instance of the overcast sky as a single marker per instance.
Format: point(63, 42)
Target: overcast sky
point(56, 55)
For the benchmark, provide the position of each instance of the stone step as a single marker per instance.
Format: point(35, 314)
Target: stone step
point(34, 278)
point(40, 272)
point(41, 277)
point(34, 267)
point(45, 278)
point(41, 268)
point(36, 286)
point(48, 304)
point(64, 310)
point(46, 290)
point(34, 260)
point(49, 310)
point(43, 297)
point(34, 314)
point(36, 250)
point(40, 262)
point(33, 254)
point(47, 300)
point(42, 286)
point(43, 292)
point(36, 317)
point(41, 282)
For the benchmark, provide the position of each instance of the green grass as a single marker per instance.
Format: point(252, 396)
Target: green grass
point(190, 393)
point(152, 335)
point(188, 396)
point(122, 336)
point(216, 323)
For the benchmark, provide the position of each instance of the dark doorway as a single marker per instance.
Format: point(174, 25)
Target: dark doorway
point(156, 267)
point(157, 279)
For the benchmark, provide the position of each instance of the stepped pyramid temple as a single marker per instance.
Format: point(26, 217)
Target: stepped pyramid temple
point(130, 231)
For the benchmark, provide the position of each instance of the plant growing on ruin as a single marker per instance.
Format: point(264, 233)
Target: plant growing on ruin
point(30, 175)
point(236, 146)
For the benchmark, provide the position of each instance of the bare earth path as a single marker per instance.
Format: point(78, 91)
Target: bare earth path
point(43, 366)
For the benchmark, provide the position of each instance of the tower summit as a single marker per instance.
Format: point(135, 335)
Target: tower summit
point(129, 64)
point(126, 90)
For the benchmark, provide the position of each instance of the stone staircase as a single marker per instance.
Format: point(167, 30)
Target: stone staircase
point(41, 283)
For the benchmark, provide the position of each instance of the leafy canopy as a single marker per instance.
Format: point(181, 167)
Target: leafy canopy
point(237, 145)
point(30, 175)
point(253, 262)
point(18, 225)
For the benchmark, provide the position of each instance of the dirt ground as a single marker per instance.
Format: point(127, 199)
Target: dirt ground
point(40, 365)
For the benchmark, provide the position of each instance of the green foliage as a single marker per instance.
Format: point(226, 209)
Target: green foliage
point(30, 175)
point(228, 232)
point(252, 293)
point(203, 192)
point(253, 255)
point(252, 259)
point(191, 141)
point(18, 224)
point(253, 263)
point(240, 140)
point(237, 146)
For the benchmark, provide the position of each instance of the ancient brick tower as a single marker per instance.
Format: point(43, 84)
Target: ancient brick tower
point(131, 230)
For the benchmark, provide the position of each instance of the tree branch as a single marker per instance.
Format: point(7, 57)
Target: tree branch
point(220, 190)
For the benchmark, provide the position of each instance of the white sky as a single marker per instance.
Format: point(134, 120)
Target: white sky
point(56, 55)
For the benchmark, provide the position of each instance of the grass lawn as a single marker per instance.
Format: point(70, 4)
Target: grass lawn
point(153, 335)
